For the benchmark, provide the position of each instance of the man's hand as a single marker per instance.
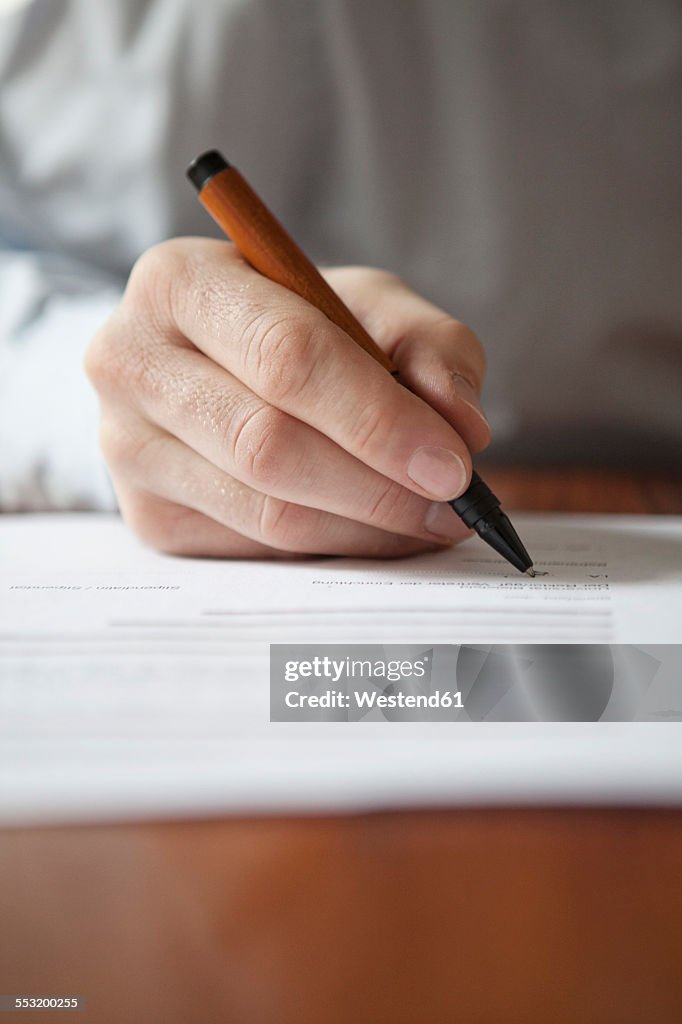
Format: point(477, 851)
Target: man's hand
point(237, 421)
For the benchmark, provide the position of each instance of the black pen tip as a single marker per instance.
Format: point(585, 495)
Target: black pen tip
point(497, 531)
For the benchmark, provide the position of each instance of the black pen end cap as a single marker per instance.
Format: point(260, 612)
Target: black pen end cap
point(205, 167)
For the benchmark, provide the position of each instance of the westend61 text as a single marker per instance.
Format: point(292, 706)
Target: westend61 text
point(373, 699)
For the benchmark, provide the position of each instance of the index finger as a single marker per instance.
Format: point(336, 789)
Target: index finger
point(293, 357)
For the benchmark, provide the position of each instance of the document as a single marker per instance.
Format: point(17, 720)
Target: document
point(136, 684)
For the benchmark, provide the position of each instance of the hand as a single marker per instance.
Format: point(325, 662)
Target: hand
point(237, 421)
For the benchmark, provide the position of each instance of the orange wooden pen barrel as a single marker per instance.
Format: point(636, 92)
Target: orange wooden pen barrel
point(262, 241)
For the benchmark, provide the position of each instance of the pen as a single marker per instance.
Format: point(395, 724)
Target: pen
point(265, 244)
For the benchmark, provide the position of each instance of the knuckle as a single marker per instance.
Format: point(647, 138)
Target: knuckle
point(279, 352)
point(460, 341)
point(184, 287)
point(103, 363)
point(153, 523)
point(122, 450)
point(470, 351)
point(262, 446)
point(157, 277)
point(283, 525)
point(162, 525)
point(124, 356)
point(370, 426)
point(115, 445)
point(390, 505)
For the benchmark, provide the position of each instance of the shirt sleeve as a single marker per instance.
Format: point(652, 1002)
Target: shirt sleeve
point(50, 308)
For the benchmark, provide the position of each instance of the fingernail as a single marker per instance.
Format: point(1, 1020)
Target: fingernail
point(442, 521)
point(438, 471)
point(467, 394)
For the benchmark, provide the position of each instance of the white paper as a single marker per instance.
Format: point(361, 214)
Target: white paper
point(137, 684)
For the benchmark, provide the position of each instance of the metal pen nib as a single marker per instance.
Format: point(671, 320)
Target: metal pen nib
point(479, 509)
point(530, 572)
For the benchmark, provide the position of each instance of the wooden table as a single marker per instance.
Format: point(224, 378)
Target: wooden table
point(509, 916)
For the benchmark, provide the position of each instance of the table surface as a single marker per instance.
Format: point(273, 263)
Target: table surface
point(507, 916)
